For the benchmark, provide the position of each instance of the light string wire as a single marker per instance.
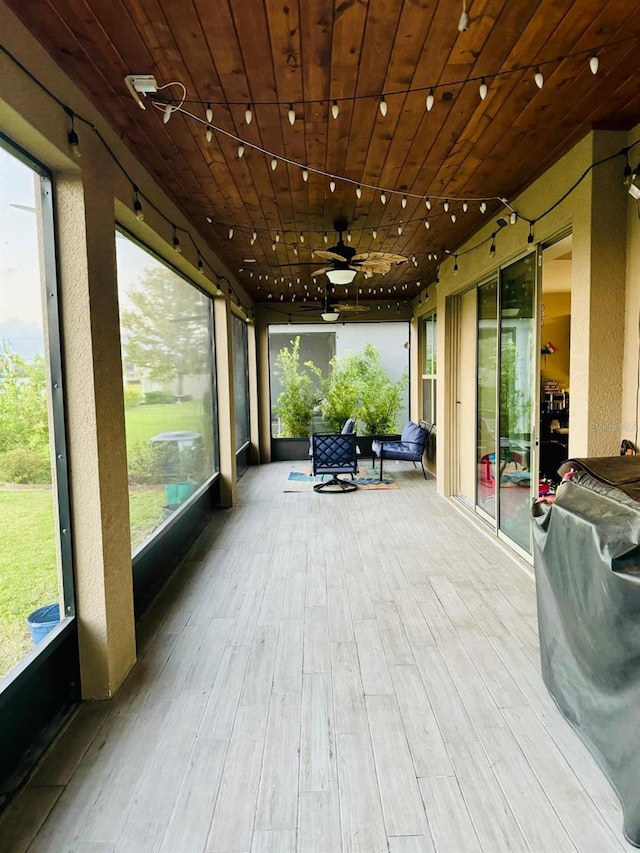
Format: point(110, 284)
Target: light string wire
point(162, 105)
point(73, 115)
point(433, 87)
point(222, 279)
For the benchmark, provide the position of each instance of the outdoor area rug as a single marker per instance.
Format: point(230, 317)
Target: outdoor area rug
point(301, 479)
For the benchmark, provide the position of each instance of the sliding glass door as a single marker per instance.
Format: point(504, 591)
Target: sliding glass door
point(516, 452)
point(506, 480)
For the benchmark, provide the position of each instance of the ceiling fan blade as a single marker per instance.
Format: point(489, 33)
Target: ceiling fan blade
point(375, 266)
point(350, 307)
point(321, 271)
point(389, 257)
point(329, 256)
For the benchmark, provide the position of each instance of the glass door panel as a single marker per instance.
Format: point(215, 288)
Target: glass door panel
point(487, 398)
point(517, 366)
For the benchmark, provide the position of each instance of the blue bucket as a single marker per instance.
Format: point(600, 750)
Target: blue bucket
point(43, 620)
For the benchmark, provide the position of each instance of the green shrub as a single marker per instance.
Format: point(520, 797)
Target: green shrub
point(295, 403)
point(132, 397)
point(26, 465)
point(152, 398)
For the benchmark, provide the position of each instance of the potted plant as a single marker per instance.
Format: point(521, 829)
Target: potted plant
point(296, 402)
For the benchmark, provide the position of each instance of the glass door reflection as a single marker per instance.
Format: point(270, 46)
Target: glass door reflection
point(517, 365)
point(487, 398)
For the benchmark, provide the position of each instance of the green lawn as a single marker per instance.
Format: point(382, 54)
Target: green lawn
point(28, 573)
point(143, 422)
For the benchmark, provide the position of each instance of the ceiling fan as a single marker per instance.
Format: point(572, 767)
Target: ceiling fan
point(331, 308)
point(346, 263)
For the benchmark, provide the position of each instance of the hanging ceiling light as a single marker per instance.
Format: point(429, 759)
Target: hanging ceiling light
point(463, 23)
point(341, 276)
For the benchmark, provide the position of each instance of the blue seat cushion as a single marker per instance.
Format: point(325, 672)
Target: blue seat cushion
point(348, 427)
point(396, 450)
point(412, 432)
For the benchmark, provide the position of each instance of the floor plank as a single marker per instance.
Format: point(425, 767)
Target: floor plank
point(322, 680)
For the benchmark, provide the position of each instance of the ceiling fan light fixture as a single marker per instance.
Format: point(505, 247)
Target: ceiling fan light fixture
point(341, 276)
point(330, 316)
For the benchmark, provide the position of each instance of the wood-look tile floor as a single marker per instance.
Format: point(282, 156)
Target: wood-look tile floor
point(328, 673)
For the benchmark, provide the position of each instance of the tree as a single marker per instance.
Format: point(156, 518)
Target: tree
point(23, 402)
point(167, 331)
point(295, 402)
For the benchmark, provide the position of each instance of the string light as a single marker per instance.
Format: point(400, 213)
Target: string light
point(209, 134)
point(383, 106)
point(453, 217)
point(463, 23)
point(291, 115)
point(483, 207)
point(431, 99)
point(209, 114)
point(240, 151)
point(400, 230)
point(176, 240)
point(383, 198)
point(455, 264)
point(445, 206)
point(374, 234)
point(305, 175)
point(277, 236)
point(274, 164)
point(230, 233)
point(492, 247)
point(332, 185)
point(358, 192)
point(325, 237)
point(539, 78)
point(248, 114)
point(335, 109)
point(137, 205)
point(513, 217)
point(200, 264)
point(530, 236)
point(594, 64)
point(427, 224)
point(72, 136)
point(483, 89)
point(465, 207)
point(427, 203)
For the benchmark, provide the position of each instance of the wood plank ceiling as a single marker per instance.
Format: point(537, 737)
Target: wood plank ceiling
point(308, 54)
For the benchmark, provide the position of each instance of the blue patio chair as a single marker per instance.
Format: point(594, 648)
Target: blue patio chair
point(409, 445)
point(335, 454)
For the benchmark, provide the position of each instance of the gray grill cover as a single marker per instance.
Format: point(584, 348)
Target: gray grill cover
point(587, 562)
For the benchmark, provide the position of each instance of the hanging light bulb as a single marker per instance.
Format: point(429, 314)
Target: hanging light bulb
point(301, 237)
point(209, 134)
point(530, 236)
point(176, 241)
point(332, 185)
point(453, 217)
point(492, 247)
point(273, 247)
point(513, 217)
point(465, 207)
point(483, 207)
point(274, 164)
point(374, 234)
point(446, 206)
point(209, 113)
point(538, 78)
point(431, 99)
point(383, 198)
point(325, 237)
point(455, 264)
point(291, 115)
point(240, 152)
point(335, 109)
point(348, 236)
point(400, 230)
point(248, 114)
point(277, 236)
point(200, 264)
point(427, 224)
point(167, 113)
point(137, 205)
point(594, 64)
point(383, 106)
point(427, 203)
point(483, 89)
point(463, 23)
point(230, 233)
point(404, 201)
point(358, 192)
point(305, 175)
point(254, 236)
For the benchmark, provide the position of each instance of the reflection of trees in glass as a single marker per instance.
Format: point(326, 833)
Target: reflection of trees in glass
point(515, 405)
point(24, 426)
point(295, 403)
point(167, 331)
